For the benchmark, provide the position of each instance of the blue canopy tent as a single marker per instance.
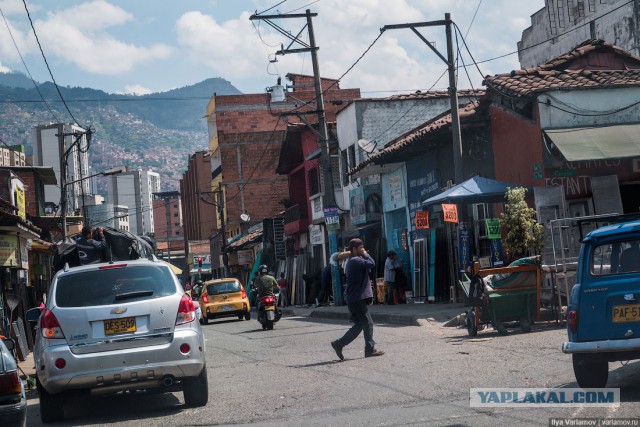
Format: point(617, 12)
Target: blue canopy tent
point(473, 190)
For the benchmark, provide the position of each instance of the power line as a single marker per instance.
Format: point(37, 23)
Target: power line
point(25, 66)
point(47, 63)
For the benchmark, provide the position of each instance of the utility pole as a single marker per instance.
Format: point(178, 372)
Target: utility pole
point(453, 90)
point(223, 249)
point(328, 195)
point(168, 215)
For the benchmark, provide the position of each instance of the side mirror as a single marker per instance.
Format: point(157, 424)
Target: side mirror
point(33, 314)
point(9, 343)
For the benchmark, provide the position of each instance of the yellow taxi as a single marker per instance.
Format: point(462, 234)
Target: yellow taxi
point(224, 298)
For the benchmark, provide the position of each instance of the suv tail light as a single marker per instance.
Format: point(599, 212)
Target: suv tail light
point(244, 294)
point(205, 298)
point(50, 326)
point(186, 310)
point(10, 384)
point(573, 321)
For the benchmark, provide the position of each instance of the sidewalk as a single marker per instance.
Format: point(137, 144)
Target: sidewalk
point(411, 314)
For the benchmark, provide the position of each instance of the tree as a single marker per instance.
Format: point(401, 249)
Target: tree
point(524, 235)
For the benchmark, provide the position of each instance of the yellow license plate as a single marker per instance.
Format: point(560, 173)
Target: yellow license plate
point(626, 313)
point(119, 326)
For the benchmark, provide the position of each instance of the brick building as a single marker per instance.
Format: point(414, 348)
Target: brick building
point(246, 133)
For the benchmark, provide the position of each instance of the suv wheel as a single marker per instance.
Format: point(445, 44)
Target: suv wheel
point(51, 405)
point(196, 390)
point(591, 371)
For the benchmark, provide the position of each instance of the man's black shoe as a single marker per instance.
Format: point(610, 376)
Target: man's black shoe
point(337, 349)
point(374, 353)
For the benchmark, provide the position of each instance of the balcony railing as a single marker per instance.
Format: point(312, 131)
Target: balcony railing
point(295, 213)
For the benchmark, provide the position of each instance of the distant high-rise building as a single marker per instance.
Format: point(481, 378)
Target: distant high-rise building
point(135, 189)
point(50, 144)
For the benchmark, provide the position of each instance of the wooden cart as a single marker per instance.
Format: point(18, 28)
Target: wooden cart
point(511, 295)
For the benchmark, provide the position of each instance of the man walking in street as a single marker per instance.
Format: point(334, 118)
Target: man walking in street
point(358, 296)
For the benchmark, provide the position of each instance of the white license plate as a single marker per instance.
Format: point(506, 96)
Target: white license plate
point(227, 308)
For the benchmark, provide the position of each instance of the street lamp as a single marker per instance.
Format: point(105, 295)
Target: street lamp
point(112, 171)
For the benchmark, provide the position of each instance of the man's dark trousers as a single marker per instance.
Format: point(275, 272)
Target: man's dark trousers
point(362, 322)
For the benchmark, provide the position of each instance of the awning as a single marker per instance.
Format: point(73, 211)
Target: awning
point(597, 143)
point(473, 190)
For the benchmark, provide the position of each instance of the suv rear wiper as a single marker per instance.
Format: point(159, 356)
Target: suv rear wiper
point(135, 294)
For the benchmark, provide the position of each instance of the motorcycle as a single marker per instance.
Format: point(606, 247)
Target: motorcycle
point(268, 313)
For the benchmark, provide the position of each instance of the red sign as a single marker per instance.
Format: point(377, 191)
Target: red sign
point(450, 213)
point(422, 219)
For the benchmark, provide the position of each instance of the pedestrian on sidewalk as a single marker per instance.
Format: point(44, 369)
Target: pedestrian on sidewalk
point(358, 296)
point(283, 298)
point(391, 264)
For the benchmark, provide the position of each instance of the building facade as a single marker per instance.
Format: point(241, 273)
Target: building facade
point(135, 190)
point(50, 144)
point(563, 24)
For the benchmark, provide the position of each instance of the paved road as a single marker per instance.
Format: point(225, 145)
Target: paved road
point(291, 376)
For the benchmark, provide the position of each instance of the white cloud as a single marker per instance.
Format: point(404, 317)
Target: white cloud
point(84, 41)
point(4, 69)
point(136, 90)
point(344, 30)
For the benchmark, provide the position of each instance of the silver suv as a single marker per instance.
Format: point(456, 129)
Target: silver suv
point(117, 327)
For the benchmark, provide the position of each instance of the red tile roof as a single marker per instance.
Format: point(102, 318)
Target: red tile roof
point(592, 63)
point(431, 127)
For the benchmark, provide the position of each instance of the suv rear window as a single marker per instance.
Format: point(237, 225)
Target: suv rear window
point(114, 286)
point(223, 288)
point(616, 258)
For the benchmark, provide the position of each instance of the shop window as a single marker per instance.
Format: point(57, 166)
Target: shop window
point(352, 156)
point(344, 166)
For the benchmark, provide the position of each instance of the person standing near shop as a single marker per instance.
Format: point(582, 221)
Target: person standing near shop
point(358, 296)
point(283, 299)
point(391, 264)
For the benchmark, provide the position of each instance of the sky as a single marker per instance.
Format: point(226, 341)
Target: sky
point(146, 46)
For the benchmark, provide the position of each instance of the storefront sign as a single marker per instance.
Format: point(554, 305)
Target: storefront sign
point(422, 220)
point(332, 218)
point(496, 253)
point(9, 251)
point(20, 203)
point(465, 249)
point(493, 228)
point(365, 204)
point(423, 182)
point(245, 257)
point(450, 213)
point(316, 234)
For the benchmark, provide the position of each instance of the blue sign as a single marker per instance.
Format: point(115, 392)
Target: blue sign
point(332, 218)
point(464, 249)
point(496, 253)
point(423, 182)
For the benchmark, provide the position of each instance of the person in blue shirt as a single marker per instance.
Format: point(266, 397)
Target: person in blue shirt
point(90, 245)
point(358, 296)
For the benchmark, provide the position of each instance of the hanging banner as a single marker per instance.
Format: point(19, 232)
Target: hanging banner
point(464, 249)
point(422, 220)
point(450, 213)
point(20, 202)
point(496, 253)
point(493, 228)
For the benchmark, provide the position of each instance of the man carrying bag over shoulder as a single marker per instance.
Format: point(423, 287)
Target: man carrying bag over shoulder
point(358, 296)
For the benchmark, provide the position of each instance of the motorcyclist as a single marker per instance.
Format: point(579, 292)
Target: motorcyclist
point(264, 283)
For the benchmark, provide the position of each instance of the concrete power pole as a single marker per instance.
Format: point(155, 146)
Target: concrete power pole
point(328, 196)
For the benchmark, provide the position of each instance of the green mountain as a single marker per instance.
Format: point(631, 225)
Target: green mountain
point(158, 131)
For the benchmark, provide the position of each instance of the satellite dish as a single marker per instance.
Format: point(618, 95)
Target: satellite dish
point(367, 145)
point(245, 217)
